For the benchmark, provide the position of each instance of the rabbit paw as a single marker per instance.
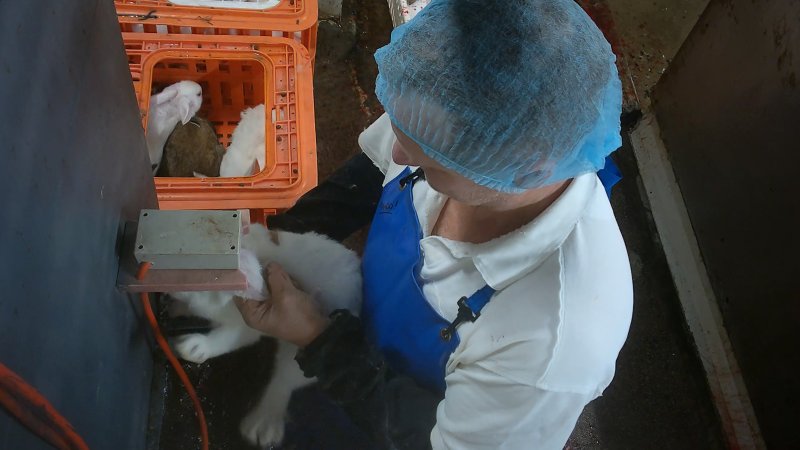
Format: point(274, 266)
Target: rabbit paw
point(195, 347)
point(262, 430)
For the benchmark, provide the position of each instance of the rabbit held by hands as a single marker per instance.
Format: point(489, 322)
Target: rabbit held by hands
point(324, 268)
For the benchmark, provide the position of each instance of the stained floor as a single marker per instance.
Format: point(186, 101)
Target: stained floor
point(658, 400)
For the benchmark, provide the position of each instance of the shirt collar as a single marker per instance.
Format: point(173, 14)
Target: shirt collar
point(508, 258)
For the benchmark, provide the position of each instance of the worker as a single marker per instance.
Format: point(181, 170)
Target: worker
point(497, 288)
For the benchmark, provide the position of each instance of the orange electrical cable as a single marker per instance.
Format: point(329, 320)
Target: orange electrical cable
point(28, 406)
point(151, 318)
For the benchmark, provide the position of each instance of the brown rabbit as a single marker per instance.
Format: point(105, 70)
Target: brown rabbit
point(192, 148)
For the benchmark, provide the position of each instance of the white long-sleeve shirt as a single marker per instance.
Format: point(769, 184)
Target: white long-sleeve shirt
point(547, 342)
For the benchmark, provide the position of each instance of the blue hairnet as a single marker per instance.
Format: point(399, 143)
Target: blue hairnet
point(512, 94)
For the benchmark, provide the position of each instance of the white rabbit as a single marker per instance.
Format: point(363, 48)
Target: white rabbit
point(322, 267)
point(247, 145)
point(176, 103)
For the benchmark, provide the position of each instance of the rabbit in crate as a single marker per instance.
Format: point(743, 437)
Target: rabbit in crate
point(192, 150)
point(320, 266)
point(177, 103)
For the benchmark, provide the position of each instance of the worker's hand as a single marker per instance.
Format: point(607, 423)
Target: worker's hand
point(289, 314)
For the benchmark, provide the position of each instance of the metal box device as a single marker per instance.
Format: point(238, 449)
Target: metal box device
point(189, 239)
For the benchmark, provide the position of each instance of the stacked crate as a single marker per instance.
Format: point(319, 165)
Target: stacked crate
point(242, 54)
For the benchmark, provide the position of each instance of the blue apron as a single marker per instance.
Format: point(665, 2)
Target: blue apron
point(413, 338)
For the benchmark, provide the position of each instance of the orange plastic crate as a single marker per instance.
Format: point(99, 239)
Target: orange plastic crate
point(292, 19)
point(235, 73)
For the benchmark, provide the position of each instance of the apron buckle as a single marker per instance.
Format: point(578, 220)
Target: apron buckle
point(411, 178)
point(465, 314)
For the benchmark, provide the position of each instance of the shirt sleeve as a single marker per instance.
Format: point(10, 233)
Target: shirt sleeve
point(485, 410)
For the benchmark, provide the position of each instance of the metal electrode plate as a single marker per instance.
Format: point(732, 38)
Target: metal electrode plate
point(189, 239)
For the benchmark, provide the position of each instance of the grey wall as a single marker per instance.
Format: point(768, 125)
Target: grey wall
point(729, 111)
point(73, 168)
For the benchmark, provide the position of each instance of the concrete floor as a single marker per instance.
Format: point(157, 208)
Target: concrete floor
point(658, 400)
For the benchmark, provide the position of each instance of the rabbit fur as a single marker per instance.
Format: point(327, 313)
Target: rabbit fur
point(322, 267)
point(191, 148)
point(247, 145)
point(176, 103)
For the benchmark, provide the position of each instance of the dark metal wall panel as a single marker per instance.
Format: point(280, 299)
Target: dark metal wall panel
point(73, 168)
point(729, 111)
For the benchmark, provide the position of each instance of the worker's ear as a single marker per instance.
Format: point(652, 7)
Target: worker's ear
point(537, 172)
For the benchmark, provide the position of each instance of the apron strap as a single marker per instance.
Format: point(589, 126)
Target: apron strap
point(478, 300)
point(609, 175)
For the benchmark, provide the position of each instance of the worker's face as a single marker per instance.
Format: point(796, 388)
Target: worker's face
point(406, 152)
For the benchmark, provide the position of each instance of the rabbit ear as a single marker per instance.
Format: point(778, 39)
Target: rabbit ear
point(251, 268)
point(185, 109)
point(254, 169)
point(164, 96)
